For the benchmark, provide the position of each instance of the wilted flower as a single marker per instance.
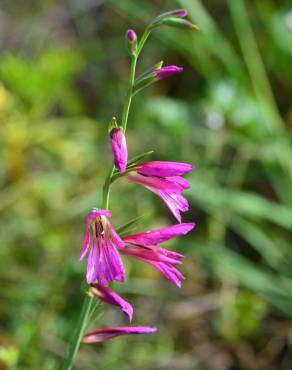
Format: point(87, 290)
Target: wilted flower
point(104, 263)
point(164, 179)
point(119, 148)
point(102, 335)
point(144, 247)
point(109, 296)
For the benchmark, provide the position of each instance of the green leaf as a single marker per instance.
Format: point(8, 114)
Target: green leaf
point(124, 229)
point(133, 161)
point(156, 66)
point(144, 82)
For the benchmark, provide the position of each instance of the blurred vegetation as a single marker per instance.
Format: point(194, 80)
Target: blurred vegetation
point(63, 73)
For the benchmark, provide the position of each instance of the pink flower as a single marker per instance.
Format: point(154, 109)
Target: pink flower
point(163, 179)
point(104, 263)
point(119, 148)
point(109, 296)
point(102, 335)
point(143, 246)
point(167, 71)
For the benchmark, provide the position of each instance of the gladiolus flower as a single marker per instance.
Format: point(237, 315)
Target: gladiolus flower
point(104, 263)
point(119, 148)
point(168, 71)
point(102, 335)
point(109, 296)
point(163, 179)
point(144, 247)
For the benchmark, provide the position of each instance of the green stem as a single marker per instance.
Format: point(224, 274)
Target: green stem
point(129, 93)
point(79, 331)
point(106, 188)
point(131, 84)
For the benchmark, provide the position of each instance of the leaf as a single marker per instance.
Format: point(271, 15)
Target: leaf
point(123, 229)
point(133, 161)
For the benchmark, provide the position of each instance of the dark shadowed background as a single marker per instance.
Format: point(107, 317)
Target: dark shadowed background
point(63, 73)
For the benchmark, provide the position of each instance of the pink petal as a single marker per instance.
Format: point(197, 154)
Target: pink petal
point(119, 148)
point(94, 214)
point(97, 213)
point(92, 265)
point(160, 235)
point(167, 71)
point(86, 242)
point(170, 272)
point(154, 182)
point(164, 169)
point(179, 181)
point(115, 237)
point(175, 202)
point(151, 253)
point(104, 263)
point(102, 335)
point(109, 296)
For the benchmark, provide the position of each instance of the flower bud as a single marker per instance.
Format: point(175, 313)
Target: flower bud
point(168, 71)
point(181, 13)
point(131, 36)
point(132, 41)
point(119, 148)
point(155, 75)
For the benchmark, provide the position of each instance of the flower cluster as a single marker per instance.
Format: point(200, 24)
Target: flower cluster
point(103, 246)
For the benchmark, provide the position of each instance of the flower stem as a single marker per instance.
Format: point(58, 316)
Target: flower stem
point(88, 300)
point(79, 331)
point(129, 93)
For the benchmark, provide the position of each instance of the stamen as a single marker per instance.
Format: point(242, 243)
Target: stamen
point(99, 229)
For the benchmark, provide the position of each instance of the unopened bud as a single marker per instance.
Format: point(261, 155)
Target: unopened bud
point(167, 71)
point(119, 148)
point(181, 13)
point(131, 36)
point(132, 41)
point(156, 74)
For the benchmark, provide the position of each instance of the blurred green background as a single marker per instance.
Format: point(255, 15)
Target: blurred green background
point(63, 73)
